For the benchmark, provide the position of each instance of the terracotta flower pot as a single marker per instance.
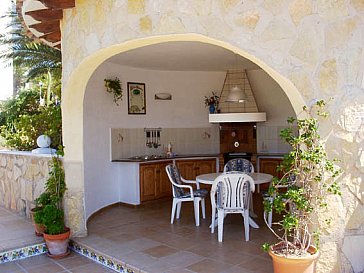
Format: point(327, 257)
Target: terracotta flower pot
point(305, 264)
point(57, 244)
point(39, 228)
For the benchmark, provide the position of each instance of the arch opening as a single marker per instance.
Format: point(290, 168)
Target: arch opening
point(74, 97)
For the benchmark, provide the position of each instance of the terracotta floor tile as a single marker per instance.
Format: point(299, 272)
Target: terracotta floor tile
point(231, 257)
point(51, 267)
point(208, 266)
point(258, 264)
point(142, 243)
point(90, 268)
point(11, 267)
point(139, 259)
point(158, 267)
point(202, 250)
point(160, 251)
point(178, 270)
point(183, 258)
point(144, 239)
point(74, 260)
point(34, 261)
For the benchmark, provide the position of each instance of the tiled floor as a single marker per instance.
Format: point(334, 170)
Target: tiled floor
point(15, 231)
point(144, 238)
point(74, 263)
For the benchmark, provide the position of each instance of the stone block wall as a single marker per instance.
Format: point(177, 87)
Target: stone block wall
point(22, 179)
point(313, 49)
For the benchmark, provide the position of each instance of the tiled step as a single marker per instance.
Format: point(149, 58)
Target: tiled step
point(22, 253)
point(103, 259)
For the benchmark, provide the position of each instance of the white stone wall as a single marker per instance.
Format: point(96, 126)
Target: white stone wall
point(313, 49)
point(22, 179)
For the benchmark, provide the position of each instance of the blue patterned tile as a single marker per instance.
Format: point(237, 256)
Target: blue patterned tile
point(22, 253)
point(100, 258)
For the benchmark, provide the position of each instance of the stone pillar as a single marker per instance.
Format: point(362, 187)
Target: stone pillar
point(74, 200)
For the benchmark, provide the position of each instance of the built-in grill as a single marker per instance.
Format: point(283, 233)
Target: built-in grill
point(228, 156)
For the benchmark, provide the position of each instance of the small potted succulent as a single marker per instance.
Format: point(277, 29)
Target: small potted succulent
point(113, 86)
point(309, 177)
point(212, 102)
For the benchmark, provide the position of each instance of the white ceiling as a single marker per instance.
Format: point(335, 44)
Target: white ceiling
point(183, 56)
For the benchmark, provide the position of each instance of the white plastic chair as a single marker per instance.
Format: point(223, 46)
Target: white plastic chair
point(245, 166)
point(179, 195)
point(239, 165)
point(233, 192)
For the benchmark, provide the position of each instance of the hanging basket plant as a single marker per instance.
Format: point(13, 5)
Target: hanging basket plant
point(113, 86)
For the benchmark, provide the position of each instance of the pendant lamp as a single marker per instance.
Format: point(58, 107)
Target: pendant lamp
point(236, 94)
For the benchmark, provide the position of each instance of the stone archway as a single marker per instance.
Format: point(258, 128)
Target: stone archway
point(72, 105)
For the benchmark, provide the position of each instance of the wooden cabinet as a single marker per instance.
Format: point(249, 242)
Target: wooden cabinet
point(191, 168)
point(164, 186)
point(154, 182)
point(269, 165)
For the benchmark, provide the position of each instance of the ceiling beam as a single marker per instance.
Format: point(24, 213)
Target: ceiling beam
point(52, 37)
point(46, 14)
point(46, 26)
point(59, 4)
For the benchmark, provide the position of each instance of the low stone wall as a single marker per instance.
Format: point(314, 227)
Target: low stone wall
point(22, 179)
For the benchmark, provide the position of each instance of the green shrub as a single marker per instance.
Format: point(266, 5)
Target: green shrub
point(52, 215)
point(22, 121)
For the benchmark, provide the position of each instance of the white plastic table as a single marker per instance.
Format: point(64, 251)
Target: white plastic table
point(259, 178)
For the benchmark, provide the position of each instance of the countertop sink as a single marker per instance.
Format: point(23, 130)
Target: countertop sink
point(145, 158)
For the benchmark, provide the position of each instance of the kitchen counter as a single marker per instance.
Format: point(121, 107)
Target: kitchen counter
point(141, 159)
point(270, 154)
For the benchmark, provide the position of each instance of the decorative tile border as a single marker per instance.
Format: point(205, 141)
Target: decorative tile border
point(101, 258)
point(22, 253)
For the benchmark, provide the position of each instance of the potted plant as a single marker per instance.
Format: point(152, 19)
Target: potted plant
point(40, 203)
point(212, 102)
point(309, 176)
point(56, 234)
point(113, 86)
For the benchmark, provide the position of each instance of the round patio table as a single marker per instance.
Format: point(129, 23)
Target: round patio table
point(259, 178)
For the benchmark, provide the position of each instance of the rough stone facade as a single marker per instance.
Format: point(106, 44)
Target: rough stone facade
point(22, 180)
point(317, 47)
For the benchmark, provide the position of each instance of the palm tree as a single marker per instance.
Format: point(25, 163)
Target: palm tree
point(31, 59)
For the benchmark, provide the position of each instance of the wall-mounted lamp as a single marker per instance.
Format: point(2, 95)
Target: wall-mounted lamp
point(163, 96)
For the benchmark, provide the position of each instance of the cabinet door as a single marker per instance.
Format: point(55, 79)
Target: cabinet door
point(187, 169)
point(205, 166)
point(164, 186)
point(269, 165)
point(148, 190)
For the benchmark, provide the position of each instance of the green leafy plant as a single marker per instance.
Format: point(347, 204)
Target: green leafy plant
point(113, 86)
point(43, 200)
point(309, 177)
point(51, 215)
point(22, 121)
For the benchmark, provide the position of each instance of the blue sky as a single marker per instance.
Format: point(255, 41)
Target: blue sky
point(6, 76)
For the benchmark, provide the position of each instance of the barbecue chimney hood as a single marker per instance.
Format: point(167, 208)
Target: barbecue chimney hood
point(245, 111)
point(237, 117)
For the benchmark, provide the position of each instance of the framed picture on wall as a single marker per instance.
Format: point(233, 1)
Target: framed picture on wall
point(136, 98)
